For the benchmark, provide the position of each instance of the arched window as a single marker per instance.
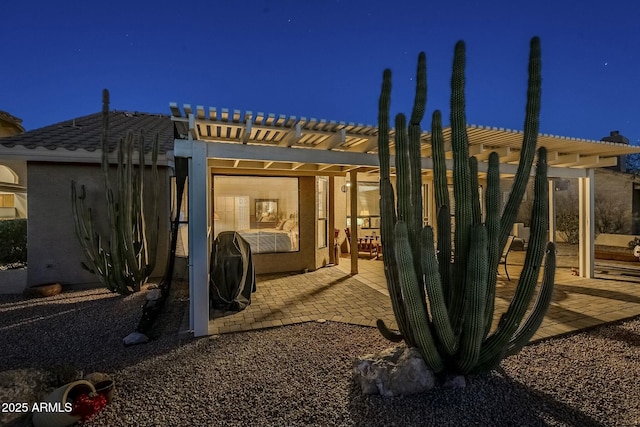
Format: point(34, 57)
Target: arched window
point(7, 175)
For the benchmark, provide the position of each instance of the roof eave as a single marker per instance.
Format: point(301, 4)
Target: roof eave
point(61, 155)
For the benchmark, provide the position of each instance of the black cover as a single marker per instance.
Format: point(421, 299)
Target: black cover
point(233, 275)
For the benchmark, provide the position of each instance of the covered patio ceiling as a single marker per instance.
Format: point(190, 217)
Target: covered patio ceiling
point(340, 147)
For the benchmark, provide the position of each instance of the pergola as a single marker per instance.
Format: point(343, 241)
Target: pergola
point(233, 141)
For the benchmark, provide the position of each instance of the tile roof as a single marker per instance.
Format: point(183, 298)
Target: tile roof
point(84, 132)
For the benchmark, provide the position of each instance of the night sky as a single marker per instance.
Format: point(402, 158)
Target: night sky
point(323, 59)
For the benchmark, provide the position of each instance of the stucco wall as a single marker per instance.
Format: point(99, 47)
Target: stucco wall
point(54, 253)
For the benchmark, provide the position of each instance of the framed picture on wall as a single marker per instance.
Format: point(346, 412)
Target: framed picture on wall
point(266, 210)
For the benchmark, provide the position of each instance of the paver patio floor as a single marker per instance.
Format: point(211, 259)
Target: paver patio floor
point(331, 293)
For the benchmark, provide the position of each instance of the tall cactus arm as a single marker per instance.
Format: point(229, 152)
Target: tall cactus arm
point(531, 325)
point(390, 268)
point(509, 322)
point(88, 238)
point(415, 134)
point(388, 217)
point(529, 141)
point(384, 104)
point(444, 253)
point(125, 241)
point(441, 188)
point(433, 285)
point(461, 183)
point(403, 175)
point(476, 294)
point(475, 197)
point(420, 98)
point(151, 245)
point(416, 305)
point(492, 222)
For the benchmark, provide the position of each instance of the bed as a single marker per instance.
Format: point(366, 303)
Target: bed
point(268, 240)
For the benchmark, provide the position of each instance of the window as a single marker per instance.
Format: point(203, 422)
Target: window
point(263, 210)
point(322, 202)
point(368, 205)
point(7, 200)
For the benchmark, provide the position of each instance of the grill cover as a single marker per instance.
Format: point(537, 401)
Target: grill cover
point(233, 276)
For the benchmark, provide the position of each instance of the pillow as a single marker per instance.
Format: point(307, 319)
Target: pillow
point(289, 225)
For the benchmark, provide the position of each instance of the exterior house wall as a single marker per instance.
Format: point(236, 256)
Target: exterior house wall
point(54, 253)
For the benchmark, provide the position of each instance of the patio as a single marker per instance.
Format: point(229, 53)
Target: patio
point(332, 294)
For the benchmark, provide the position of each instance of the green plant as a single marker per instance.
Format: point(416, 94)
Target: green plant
point(13, 241)
point(445, 307)
point(567, 216)
point(130, 257)
point(611, 215)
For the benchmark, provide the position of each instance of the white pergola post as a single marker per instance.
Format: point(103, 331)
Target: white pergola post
point(552, 211)
point(199, 239)
point(587, 218)
point(353, 179)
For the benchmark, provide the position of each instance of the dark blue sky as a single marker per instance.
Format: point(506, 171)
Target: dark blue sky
point(323, 59)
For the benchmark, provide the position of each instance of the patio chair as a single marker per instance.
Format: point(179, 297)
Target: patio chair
point(367, 244)
point(505, 253)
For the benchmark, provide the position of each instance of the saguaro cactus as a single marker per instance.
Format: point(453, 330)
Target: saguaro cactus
point(130, 257)
point(444, 300)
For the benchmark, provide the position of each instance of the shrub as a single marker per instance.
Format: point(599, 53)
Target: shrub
point(610, 215)
point(13, 241)
point(568, 217)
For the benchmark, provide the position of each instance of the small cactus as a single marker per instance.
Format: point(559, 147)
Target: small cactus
point(443, 299)
point(130, 256)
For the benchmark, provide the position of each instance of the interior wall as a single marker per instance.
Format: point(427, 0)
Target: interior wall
point(305, 257)
point(268, 188)
point(308, 257)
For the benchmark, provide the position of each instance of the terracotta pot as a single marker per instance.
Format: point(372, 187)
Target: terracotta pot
point(44, 290)
point(61, 396)
point(106, 388)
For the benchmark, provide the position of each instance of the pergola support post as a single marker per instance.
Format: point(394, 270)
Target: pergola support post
point(199, 239)
point(331, 210)
point(586, 204)
point(353, 243)
point(552, 211)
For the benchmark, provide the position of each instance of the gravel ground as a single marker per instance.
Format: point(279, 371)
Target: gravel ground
point(301, 375)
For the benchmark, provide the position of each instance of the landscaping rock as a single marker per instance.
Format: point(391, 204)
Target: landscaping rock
point(398, 371)
point(154, 295)
point(135, 338)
